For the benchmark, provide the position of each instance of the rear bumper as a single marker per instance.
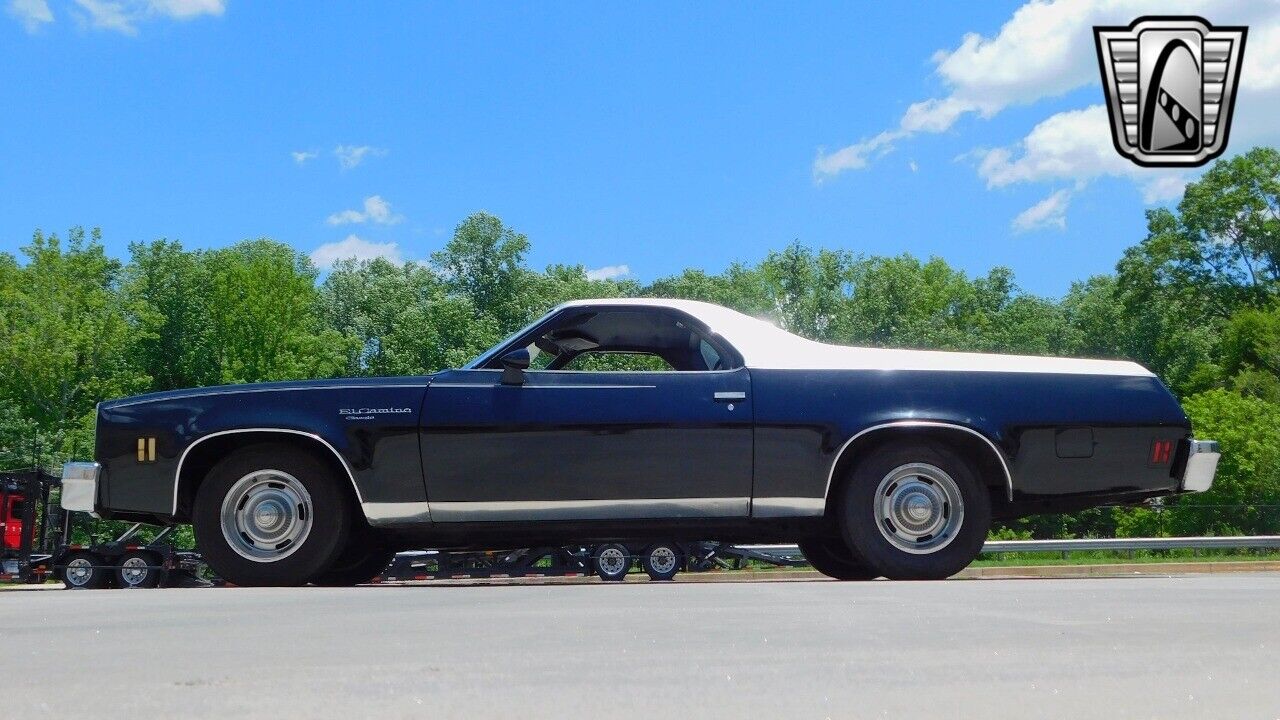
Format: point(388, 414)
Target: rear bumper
point(80, 486)
point(1201, 465)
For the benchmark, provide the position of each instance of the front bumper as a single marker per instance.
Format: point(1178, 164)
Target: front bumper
point(80, 486)
point(1201, 466)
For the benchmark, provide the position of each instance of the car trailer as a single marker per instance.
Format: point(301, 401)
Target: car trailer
point(610, 562)
point(37, 544)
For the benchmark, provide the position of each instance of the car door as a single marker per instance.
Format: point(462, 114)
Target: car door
point(585, 445)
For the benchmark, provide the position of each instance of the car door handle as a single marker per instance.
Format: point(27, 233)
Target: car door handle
point(730, 396)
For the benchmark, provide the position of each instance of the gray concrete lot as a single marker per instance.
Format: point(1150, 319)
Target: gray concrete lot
point(1151, 647)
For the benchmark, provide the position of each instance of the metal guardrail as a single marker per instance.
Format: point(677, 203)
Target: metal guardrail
point(1122, 544)
point(1169, 543)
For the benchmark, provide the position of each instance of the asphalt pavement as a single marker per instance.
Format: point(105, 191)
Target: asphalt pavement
point(1205, 646)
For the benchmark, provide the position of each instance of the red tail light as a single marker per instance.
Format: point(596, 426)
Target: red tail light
point(1161, 451)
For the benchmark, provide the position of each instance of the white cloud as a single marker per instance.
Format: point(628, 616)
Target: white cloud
point(353, 247)
point(1045, 50)
point(123, 16)
point(854, 157)
point(376, 210)
point(350, 156)
point(608, 272)
point(911, 165)
point(1074, 146)
point(1049, 212)
point(184, 9)
point(1163, 188)
point(31, 13)
point(302, 156)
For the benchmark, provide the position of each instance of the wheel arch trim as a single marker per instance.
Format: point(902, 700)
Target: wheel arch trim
point(177, 475)
point(1004, 464)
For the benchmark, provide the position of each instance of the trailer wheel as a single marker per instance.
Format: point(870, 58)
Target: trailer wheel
point(84, 571)
point(138, 570)
point(662, 561)
point(831, 558)
point(611, 561)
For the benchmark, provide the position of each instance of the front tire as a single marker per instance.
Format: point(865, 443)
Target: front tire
point(271, 515)
point(915, 511)
point(830, 557)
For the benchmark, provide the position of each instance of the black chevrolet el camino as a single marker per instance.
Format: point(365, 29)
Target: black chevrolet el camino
point(877, 462)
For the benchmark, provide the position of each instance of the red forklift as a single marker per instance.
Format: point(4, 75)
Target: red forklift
point(27, 548)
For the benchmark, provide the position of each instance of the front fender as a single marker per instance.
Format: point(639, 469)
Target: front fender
point(371, 430)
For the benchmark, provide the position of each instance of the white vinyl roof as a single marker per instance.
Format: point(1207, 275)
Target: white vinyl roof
point(766, 346)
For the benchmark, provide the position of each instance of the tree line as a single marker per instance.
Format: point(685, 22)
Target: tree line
point(1197, 300)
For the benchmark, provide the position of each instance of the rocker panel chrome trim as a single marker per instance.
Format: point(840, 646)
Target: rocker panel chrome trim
point(392, 513)
point(628, 509)
point(776, 507)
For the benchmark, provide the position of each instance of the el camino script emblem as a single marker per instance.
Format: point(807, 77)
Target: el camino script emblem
point(1171, 87)
point(368, 413)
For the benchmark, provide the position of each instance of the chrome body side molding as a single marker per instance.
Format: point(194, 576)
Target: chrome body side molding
point(1008, 476)
point(177, 475)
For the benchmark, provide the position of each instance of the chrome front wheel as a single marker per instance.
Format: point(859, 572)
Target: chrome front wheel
point(266, 515)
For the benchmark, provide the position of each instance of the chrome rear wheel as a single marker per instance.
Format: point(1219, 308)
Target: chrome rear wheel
point(919, 508)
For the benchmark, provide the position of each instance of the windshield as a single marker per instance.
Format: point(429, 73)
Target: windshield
point(485, 356)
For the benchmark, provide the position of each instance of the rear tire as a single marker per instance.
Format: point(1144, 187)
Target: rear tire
point(364, 559)
point(271, 515)
point(84, 571)
point(915, 511)
point(832, 558)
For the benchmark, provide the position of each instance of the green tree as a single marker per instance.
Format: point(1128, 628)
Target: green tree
point(65, 342)
point(484, 262)
point(263, 311)
point(169, 291)
point(1248, 429)
point(1251, 352)
point(402, 319)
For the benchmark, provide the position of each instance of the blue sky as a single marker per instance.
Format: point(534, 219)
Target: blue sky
point(679, 136)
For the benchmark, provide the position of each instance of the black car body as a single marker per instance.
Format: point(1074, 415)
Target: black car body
point(751, 437)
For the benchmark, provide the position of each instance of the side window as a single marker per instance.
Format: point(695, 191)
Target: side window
point(709, 355)
point(618, 362)
point(539, 359)
point(622, 339)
